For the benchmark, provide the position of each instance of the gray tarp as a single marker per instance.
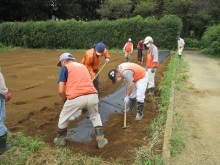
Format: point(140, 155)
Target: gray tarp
point(108, 105)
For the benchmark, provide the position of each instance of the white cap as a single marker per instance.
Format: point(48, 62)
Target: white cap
point(65, 56)
point(129, 39)
point(148, 39)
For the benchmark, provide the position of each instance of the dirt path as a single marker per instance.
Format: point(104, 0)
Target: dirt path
point(199, 104)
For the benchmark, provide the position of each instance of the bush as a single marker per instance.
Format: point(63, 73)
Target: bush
point(72, 34)
point(211, 41)
point(192, 44)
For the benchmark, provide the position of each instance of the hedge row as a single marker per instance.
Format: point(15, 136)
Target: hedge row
point(74, 34)
point(211, 41)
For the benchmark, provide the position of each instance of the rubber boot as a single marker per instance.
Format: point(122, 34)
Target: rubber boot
point(3, 145)
point(60, 140)
point(126, 59)
point(133, 104)
point(151, 91)
point(140, 108)
point(100, 137)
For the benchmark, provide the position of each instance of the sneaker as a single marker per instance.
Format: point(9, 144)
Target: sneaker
point(60, 141)
point(139, 115)
point(102, 142)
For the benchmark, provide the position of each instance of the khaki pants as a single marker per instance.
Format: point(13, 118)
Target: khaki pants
point(90, 102)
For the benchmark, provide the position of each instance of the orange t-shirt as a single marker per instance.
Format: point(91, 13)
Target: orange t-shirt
point(139, 72)
point(91, 60)
point(79, 81)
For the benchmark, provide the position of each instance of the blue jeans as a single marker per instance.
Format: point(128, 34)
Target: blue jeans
point(3, 129)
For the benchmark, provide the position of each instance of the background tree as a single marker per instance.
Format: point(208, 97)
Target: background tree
point(112, 9)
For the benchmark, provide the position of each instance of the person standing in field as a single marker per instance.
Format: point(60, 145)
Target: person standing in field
point(140, 48)
point(180, 46)
point(92, 59)
point(5, 96)
point(135, 78)
point(77, 92)
point(128, 48)
point(152, 63)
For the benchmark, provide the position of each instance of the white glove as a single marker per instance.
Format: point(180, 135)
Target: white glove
point(127, 99)
point(107, 60)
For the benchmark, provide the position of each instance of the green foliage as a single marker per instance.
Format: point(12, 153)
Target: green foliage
point(112, 9)
point(28, 143)
point(145, 8)
point(192, 44)
point(3, 47)
point(72, 34)
point(177, 142)
point(211, 41)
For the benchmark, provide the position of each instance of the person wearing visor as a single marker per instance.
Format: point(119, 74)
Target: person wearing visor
point(151, 63)
point(77, 91)
point(92, 59)
point(135, 78)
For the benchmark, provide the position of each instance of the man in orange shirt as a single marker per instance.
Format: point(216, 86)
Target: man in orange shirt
point(135, 77)
point(92, 59)
point(128, 48)
point(77, 92)
point(151, 63)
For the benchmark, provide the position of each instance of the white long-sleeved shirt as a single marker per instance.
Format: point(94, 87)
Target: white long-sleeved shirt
point(3, 88)
point(181, 43)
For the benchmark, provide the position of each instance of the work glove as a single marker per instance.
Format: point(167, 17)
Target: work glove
point(153, 69)
point(7, 96)
point(127, 99)
point(107, 60)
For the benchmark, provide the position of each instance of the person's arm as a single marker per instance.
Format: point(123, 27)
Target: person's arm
point(62, 82)
point(3, 88)
point(88, 63)
point(106, 55)
point(155, 55)
point(129, 78)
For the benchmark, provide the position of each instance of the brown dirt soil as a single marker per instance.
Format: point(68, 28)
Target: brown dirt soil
point(31, 76)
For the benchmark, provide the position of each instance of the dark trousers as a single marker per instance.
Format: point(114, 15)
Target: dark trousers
point(140, 55)
point(96, 80)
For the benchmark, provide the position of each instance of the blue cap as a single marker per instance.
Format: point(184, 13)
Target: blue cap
point(100, 47)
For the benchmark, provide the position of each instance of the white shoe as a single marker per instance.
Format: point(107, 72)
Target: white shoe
point(102, 142)
point(60, 141)
point(139, 115)
point(75, 115)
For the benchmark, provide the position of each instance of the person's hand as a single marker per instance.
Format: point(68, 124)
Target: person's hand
point(153, 70)
point(107, 60)
point(64, 100)
point(7, 96)
point(127, 99)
